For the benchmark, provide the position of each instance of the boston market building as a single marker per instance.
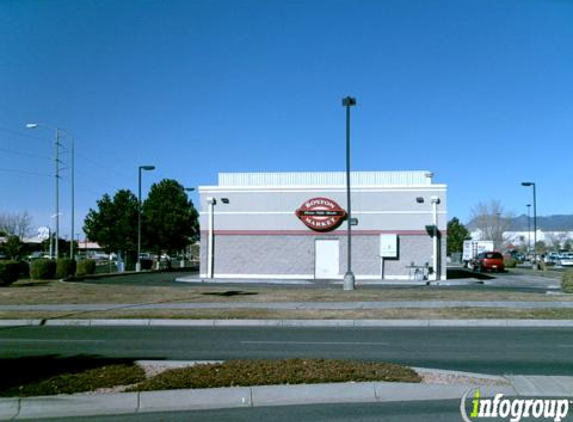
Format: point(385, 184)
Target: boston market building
point(294, 226)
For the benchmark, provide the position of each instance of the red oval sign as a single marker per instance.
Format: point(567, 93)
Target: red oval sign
point(321, 214)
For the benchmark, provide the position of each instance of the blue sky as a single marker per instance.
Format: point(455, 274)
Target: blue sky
point(480, 92)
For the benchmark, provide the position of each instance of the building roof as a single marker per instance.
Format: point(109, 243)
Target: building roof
point(326, 179)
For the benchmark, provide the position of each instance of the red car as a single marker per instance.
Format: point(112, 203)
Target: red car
point(488, 261)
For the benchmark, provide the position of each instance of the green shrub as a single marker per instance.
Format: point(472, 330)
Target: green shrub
point(510, 262)
point(9, 272)
point(146, 264)
point(43, 269)
point(235, 373)
point(567, 281)
point(65, 268)
point(69, 383)
point(86, 267)
point(24, 269)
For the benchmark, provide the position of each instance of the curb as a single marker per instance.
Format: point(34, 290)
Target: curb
point(234, 397)
point(291, 323)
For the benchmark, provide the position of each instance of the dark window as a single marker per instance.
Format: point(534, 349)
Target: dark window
point(493, 256)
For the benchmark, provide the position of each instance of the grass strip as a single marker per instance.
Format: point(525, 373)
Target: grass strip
point(69, 383)
point(235, 373)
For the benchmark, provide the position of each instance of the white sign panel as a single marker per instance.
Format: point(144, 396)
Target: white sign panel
point(388, 246)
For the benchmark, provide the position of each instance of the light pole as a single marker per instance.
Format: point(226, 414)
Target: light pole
point(435, 200)
point(498, 235)
point(534, 215)
point(57, 163)
point(528, 228)
point(72, 152)
point(146, 168)
point(211, 249)
point(349, 279)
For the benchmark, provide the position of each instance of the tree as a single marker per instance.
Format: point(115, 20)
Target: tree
point(541, 247)
point(13, 247)
point(170, 219)
point(114, 225)
point(19, 224)
point(63, 245)
point(457, 233)
point(492, 221)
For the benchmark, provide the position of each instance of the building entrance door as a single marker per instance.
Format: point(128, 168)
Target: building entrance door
point(326, 258)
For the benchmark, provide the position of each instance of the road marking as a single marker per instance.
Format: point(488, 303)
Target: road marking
point(31, 340)
point(318, 343)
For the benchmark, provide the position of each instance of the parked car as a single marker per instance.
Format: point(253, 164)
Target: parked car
point(566, 259)
point(488, 261)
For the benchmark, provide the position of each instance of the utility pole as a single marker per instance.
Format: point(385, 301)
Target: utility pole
point(57, 164)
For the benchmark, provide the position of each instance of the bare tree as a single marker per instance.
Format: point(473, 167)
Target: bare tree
point(555, 240)
point(492, 221)
point(18, 224)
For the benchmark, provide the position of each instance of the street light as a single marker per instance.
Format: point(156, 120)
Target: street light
point(211, 249)
point(138, 264)
point(527, 184)
point(528, 228)
point(349, 279)
point(435, 200)
point(57, 145)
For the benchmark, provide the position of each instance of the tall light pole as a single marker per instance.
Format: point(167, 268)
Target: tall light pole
point(349, 279)
point(57, 163)
point(146, 168)
point(211, 249)
point(527, 184)
point(72, 153)
point(528, 228)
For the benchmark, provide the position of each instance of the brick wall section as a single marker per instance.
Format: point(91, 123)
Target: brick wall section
point(291, 255)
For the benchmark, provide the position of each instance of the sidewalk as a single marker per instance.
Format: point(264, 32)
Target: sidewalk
point(343, 306)
point(279, 395)
point(292, 323)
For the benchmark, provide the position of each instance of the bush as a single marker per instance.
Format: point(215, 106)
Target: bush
point(65, 268)
point(9, 272)
point(510, 262)
point(43, 269)
point(146, 264)
point(235, 373)
point(24, 269)
point(86, 267)
point(567, 282)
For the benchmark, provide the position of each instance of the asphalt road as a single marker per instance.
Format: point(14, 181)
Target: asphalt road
point(545, 351)
point(443, 411)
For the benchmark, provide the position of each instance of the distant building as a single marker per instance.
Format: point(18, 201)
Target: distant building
point(552, 239)
point(293, 226)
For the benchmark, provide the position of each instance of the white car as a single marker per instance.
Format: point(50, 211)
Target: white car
point(566, 259)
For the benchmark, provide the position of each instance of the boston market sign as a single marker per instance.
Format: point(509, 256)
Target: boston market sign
point(321, 214)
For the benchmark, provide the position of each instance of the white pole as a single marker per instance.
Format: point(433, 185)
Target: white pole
point(211, 250)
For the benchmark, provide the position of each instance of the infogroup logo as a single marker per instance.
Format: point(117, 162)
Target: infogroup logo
point(512, 409)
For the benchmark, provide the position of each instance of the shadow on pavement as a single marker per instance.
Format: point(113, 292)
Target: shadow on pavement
point(230, 293)
point(459, 273)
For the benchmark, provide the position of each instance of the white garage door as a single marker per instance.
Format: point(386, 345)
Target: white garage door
point(326, 258)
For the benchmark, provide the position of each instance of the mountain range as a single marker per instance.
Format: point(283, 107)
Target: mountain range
point(548, 223)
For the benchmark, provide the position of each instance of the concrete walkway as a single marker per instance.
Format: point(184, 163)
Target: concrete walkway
point(343, 306)
point(278, 395)
point(330, 323)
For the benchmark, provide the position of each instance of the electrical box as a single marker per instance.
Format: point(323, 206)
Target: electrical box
point(388, 246)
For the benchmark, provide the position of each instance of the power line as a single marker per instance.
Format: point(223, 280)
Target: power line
point(104, 181)
point(94, 163)
point(23, 135)
point(25, 154)
point(24, 172)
